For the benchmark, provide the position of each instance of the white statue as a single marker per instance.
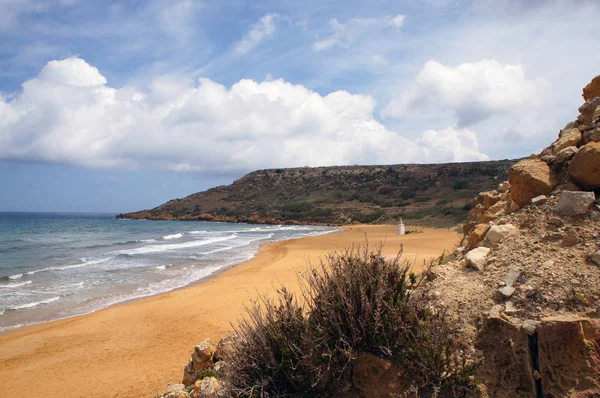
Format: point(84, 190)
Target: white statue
point(401, 230)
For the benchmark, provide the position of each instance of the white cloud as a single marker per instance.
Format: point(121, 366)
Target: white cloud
point(265, 27)
point(68, 114)
point(398, 20)
point(471, 92)
point(451, 144)
point(344, 34)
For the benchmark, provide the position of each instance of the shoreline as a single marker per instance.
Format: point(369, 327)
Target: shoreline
point(188, 285)
point(134, 348)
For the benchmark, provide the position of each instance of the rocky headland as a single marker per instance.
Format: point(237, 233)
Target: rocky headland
point(434, 195)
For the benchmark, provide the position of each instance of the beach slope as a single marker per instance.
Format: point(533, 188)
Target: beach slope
point(134, 349)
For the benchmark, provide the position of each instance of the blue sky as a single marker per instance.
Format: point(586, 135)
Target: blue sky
point(117, 106)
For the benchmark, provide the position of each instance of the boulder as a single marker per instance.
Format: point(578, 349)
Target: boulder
point(530, 178)
point(203, 354)
point(586, 111)
point(476, 258)
point(377, 377)
point(498, 233)
point(585, 166)
point(570, 239)
point(565, 154)
point(202, 358)
point(592, 90)
point(477, 235)
point(574, 203)
point(567, 138)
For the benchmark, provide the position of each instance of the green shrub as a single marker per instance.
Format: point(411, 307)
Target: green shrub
point(365, 218)
point(355, 301)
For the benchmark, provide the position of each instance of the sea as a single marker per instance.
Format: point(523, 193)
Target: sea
point(57, 265)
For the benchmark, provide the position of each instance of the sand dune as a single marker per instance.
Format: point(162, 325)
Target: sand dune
point(134, 349)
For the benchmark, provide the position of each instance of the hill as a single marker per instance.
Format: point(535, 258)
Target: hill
point(433, 194)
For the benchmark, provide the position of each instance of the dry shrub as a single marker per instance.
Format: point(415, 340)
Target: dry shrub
point(355, 301)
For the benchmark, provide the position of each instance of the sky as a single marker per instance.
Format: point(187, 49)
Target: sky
point(116, 106)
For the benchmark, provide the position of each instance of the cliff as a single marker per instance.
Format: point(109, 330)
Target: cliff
point(434, 194)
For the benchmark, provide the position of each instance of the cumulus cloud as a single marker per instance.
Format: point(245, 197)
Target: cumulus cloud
point(471, 92)
point(451, 144)
point(68, 114)
point(265, 27)
point(344, 34)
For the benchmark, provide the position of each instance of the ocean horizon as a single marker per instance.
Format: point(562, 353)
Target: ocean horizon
point(59, 265)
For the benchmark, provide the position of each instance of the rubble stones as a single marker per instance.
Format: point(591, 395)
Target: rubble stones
point(567, 138)
point(572, 203)
point(476, 258)
point(530, 178)
point(498, 233)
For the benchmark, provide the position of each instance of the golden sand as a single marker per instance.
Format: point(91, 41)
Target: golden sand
point(134, 349)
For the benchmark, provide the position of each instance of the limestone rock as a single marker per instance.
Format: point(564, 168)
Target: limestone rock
point(177, 394)
point(173, 387)
point(567, 138)
point(507, 368)
point(530, 178)
point(571, 238)
point(565, 154)
point(595, 258)
point(539, 200)
point(377, 377)
point(202, 356)
point(506, 291)
point(512, 277)
point(573, 203)
point(503, 187)
point(476, 258)
point(587, 110)
point(498, 233)
point(224, 348)
point(529, 326)
point(209, 387)
point(569, 355)
point(592, 90)
point(477, 235)
point(585, 166)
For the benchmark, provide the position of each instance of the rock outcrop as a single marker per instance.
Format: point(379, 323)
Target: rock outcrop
point(530, 178)
point(584, 169)
point(592, 90)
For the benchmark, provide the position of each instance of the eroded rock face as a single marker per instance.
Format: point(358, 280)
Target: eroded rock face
point(569, 355)
point(530, 178)
point(202, 358)
point(592, 90)
point(557, 357)
point(585, 166)
point(507, 368)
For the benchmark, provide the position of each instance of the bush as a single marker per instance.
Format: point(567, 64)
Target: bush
point(356, 301)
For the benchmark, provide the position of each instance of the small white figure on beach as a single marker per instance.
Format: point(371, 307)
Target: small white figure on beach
point(401, 230)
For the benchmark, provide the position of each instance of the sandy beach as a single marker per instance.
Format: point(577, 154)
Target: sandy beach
point(134, 349)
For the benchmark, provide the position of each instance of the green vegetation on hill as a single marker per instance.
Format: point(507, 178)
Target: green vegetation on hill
point(436, 194)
